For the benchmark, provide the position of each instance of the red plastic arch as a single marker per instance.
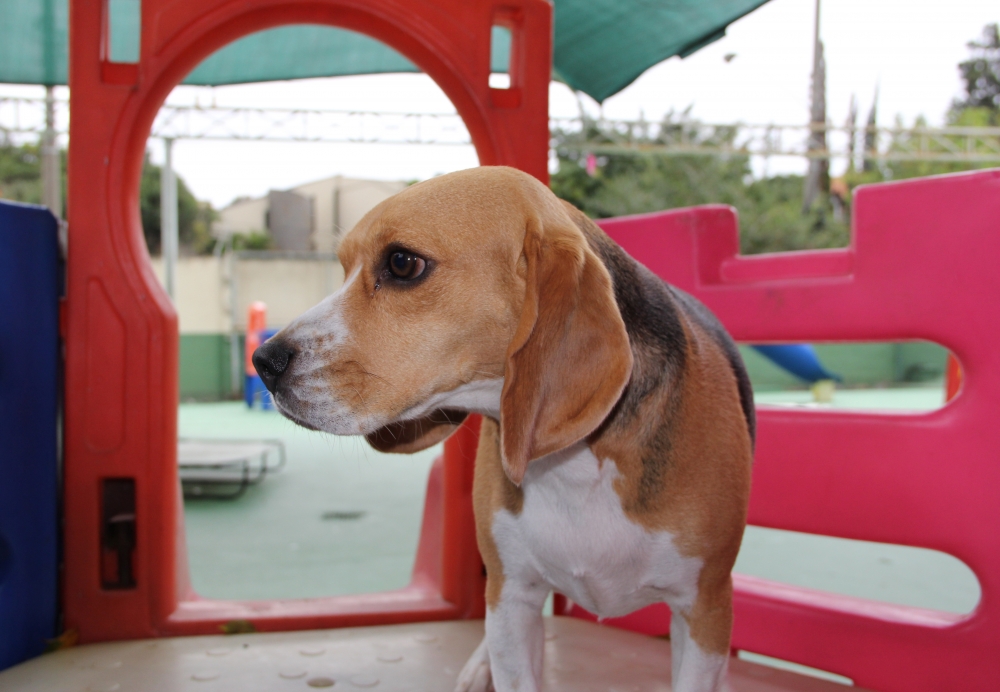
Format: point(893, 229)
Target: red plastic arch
point(121, 330)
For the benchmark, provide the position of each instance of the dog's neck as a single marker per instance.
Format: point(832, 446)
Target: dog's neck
point(477, 396)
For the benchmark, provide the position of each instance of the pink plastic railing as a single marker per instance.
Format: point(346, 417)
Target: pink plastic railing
point(924, 263)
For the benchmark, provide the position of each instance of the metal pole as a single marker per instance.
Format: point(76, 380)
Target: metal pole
point(51, 168)
point(817, 177)
point(236, 363)
point(168, 220)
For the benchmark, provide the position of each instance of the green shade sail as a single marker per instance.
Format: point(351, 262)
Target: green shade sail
point(601, 46)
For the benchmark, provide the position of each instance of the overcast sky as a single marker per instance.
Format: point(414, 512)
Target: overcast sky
point(909, 50)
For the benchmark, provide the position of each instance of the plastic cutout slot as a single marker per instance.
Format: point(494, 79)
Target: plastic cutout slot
point(500, 47)
point(883, 572)
point(117, 533)
point(912, 377)
point(124, 29)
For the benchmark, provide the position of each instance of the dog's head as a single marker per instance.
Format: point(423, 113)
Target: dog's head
point(473, 291)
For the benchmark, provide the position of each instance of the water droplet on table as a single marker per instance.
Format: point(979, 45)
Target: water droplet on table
point(320, 682)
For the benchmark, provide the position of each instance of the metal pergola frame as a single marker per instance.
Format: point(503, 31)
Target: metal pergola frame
point(49, 118)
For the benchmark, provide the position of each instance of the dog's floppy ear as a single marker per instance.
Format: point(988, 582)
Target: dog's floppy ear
point(569, 359)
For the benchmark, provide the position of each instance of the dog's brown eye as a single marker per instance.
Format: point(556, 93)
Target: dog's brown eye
point(406, 265)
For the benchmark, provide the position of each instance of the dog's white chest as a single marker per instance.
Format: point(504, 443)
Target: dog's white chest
point(573, 534)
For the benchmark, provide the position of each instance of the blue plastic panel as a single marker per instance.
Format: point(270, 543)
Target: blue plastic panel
point(29, 389)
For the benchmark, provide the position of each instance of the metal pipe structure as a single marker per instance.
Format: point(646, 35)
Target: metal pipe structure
point(169, 240)
point(601, 136)
point(818, 175)
point(51, 164)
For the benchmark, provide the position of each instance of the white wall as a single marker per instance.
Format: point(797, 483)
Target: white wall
point(354, 198)
point(244, 216)
point(289, 287)
point(331, 219)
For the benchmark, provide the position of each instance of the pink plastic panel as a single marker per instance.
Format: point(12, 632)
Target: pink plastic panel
point(924, 264)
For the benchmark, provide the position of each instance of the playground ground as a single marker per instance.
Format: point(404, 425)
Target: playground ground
point(341, 518)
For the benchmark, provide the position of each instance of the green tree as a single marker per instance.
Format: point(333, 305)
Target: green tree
point(631, 181)
point(979, 107)
point(981, 75)
point(194, 218)
point(21, 181)
point(771, 218)
point(21, 172)
point(254, 240)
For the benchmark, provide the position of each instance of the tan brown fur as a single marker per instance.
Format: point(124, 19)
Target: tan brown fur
point(496, 245)
point(701, 472)
point(406, 344)
point(570, 330)
point(516, 290)
point(702, 493)
point(492, 490)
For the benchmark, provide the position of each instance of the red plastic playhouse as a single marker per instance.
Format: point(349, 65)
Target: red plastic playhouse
point(921, 265)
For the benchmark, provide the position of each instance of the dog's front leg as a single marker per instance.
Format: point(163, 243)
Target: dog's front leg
point(511, 654)
point(515, 636)
point(699, 640)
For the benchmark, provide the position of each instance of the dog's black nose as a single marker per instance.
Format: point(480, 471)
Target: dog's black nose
point(271, 360)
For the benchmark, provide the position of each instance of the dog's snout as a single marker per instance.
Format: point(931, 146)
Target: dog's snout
point(271, 361)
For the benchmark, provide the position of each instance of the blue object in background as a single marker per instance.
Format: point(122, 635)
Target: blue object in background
point(799, 359)
point(253, 387)
point(254, 391)
point(29, 409)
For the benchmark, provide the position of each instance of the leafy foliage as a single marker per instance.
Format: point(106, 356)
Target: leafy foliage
point(20, 172)
point(980, 107)
point(633, 181)
point(21, 181)
point(629, 180)
point(981, 74)
point(254, 240)
point(771, 220)
point(194, 218)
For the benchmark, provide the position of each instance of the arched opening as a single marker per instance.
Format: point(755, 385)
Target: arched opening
point(123, 347)
point(271, 510)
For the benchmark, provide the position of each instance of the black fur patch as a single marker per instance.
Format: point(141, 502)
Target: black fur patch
point(707, 320)
point(649, 308)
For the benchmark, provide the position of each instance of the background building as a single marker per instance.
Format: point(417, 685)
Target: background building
point(309, 217)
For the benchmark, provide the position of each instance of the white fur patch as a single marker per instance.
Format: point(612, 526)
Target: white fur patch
point(573, 535)
point(310, 403)
point(694, 670)
point(478, 396)
point(324, 320)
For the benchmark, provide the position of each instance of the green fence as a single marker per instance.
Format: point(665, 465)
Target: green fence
point(205, 368)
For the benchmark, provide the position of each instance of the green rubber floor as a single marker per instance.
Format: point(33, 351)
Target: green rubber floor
point(341, 518)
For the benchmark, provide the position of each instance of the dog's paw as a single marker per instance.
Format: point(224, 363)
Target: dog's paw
point(475, 676)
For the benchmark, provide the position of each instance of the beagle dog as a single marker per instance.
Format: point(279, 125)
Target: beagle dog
point(618, 421)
